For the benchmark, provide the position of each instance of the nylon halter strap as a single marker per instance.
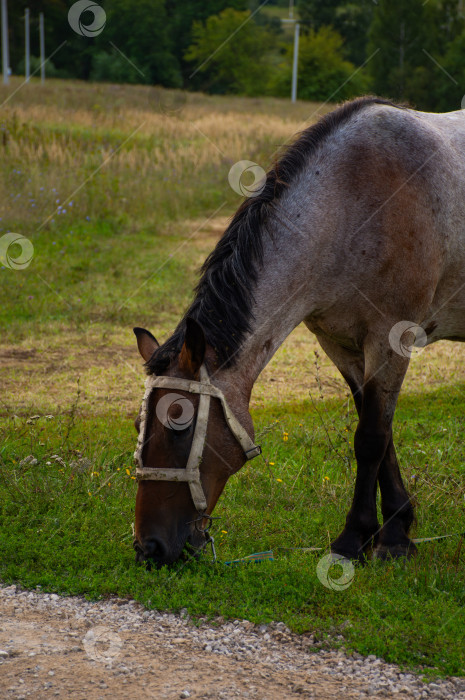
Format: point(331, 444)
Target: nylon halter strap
point(191, 473)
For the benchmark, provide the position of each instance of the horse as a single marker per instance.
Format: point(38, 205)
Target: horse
point(357, 230)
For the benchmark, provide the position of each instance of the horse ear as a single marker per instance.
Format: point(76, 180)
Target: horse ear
point(193, 350)
point(146, 343)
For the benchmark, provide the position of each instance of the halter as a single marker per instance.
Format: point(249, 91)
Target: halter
point(191, 473)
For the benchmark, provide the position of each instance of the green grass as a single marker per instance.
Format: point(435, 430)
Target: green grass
point(66, 526)
point(126, 253)
point(85, 273)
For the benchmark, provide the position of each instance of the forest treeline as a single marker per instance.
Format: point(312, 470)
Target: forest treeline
point(411, 51)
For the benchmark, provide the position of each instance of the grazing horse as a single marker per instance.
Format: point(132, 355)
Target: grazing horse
point(358, 230)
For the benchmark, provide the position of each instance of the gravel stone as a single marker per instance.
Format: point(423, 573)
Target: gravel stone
point(118, 647)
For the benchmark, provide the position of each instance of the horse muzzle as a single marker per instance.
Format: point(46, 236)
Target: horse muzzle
point(154, 551)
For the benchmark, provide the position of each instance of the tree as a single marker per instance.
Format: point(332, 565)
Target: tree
point(350, 19)
point(230, 52)
point(139, 31)
point(72, 59)
point(181, 17)
point(139, 28)
point(451, 88)
point(323, 72)
point(318, 13)
point(400, 34)
point(112, 67)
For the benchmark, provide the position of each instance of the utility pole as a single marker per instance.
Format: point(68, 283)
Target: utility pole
point(27, 46)
point(42, 47)
point(295, 61)
point(295, 64)
point(5, 52)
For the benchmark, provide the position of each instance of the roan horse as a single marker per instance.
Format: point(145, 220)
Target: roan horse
point(358, 230)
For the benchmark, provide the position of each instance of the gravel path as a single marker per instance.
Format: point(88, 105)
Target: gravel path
point(54, 647)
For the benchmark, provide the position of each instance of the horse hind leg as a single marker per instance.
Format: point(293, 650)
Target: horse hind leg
point(376, 459)
point(397, 510)
point(385, 370)
point(362, 524)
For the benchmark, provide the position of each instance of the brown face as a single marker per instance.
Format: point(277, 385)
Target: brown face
point(167, 522)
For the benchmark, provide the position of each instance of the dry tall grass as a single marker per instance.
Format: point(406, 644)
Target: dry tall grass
point(143, 152)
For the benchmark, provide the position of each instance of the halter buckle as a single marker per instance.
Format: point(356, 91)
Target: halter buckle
point(253, 452)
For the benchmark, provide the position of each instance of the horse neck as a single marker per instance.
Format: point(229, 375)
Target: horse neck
point(281, 302)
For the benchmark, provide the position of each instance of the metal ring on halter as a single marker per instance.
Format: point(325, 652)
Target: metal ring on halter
point(201, 517)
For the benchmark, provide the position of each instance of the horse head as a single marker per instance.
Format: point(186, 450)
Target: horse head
point(195, 431)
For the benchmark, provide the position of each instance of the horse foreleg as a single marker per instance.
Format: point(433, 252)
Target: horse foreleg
point(362, 523)
point(376, 398)
point(396, 507)
point(371, 440)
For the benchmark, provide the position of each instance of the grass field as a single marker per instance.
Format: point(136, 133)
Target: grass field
point(123, 192)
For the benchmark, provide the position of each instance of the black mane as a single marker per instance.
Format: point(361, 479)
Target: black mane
point(224, 295)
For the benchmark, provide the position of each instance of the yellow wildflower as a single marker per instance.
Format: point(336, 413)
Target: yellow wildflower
point(280, 481)
point(271, 464)
point(128, 472)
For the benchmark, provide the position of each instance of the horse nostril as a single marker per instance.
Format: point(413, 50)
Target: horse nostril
point(154, 548)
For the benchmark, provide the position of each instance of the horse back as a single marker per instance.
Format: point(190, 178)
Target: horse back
point(389, 196)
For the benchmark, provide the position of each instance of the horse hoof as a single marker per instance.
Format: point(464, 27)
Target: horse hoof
point(394, 551)
point(358, 549)
point(350, 557)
